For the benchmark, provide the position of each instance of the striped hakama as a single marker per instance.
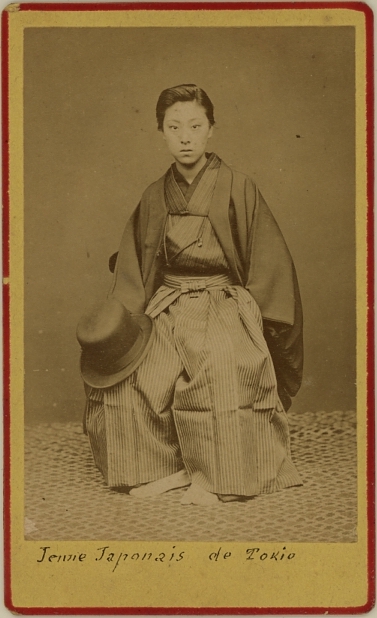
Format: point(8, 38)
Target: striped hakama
point(205, 397)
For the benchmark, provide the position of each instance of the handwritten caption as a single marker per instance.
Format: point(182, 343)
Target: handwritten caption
point(105, 555)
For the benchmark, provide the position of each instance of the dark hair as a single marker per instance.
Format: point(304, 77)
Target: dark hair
point(181, 93)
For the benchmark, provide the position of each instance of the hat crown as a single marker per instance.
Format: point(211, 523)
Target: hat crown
point(107, 332)
point(113, 343)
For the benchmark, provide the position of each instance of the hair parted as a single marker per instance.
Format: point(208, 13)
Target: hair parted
point(182, 93)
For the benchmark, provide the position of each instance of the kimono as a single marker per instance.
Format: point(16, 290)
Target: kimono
point(209, 264)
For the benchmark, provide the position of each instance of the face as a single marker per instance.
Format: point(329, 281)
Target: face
point(186, 130)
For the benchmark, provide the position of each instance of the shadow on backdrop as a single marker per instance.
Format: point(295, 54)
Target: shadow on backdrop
point(284, 110)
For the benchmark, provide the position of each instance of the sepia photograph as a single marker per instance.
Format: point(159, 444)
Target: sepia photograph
point(192, 234)
point(196, 389)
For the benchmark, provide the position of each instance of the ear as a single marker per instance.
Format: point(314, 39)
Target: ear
point(210, 132)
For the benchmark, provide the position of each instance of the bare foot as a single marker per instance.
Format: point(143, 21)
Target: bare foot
point(231, 498)
point(196, 495)
point(154, 488)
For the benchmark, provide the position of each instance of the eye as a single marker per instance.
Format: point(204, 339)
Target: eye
point(173, 127)
point(196, 126)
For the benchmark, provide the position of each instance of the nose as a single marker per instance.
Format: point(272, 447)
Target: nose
point(185, 137)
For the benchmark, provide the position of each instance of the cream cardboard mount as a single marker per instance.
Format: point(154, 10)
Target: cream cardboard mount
point(293, 93)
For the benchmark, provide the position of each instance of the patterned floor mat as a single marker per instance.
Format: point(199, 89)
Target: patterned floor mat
point(66, 498)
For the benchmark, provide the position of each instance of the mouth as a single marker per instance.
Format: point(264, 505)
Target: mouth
point(186, 151)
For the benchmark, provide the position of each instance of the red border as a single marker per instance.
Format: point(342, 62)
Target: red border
point(370, 445)
point(193, 6)
point(6, 314)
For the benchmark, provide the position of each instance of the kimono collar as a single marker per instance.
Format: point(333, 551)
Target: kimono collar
point(187, 188)
point(198, 198)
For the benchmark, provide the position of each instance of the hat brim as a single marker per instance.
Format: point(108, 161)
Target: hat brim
point(100, 380)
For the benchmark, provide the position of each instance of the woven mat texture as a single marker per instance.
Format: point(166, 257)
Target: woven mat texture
point(66, 498)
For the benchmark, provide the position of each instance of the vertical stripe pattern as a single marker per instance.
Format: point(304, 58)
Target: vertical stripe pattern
point(204, 398)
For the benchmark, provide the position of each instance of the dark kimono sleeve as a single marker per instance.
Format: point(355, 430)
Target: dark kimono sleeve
point(127, 285)
point(285, 343)
point(272, 282)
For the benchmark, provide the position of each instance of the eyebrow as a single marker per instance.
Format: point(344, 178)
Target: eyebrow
point(178, 121)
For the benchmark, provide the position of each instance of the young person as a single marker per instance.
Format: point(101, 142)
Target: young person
point(203, 257)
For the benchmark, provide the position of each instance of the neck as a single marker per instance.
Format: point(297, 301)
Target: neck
point(190, 171)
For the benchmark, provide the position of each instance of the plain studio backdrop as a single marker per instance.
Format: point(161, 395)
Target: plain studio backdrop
point(284, 108)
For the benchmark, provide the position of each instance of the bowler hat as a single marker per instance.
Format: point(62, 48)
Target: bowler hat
point(113, 343)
